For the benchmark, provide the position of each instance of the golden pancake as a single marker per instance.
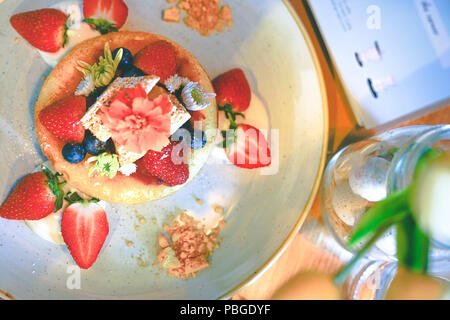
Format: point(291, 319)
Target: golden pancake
point(63, 81)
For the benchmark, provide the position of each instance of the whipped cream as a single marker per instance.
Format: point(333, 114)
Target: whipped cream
point(49, 228)
point(77, 32)
point(128, 169)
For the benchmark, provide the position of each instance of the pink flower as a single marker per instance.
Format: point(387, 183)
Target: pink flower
point(138, 123)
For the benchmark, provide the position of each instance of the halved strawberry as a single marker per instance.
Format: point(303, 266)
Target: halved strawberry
point(84, 228)
point(62, 118)
point(158, 58)
point(44, 29)
point(35, 196)
point(167, 165)
point(246, 147)
point(232, 88)
point(105, 15)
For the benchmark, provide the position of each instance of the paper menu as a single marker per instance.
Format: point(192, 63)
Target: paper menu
point(392, 56)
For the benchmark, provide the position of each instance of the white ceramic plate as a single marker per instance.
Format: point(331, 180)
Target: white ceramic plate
point(262, 212)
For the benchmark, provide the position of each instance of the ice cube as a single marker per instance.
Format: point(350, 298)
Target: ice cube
point(352, 156)
point(344, 164)
point(369, 179)
point(348, 206)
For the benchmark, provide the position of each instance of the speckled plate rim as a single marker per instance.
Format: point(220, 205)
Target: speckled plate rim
point(325, 136)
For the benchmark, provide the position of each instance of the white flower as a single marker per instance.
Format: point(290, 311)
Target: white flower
point(429, 198)
point(128, 169)
point(194, 98)
point(86, 86)
point(173, 83)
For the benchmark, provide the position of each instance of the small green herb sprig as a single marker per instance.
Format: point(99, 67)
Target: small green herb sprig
point(105, 164)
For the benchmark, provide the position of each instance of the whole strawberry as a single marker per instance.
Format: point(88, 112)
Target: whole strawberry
point(167, 165)
point(44, 29)
point(105, 15)
point(246, 147)
point(84, 228)
point(35, 196)
point(232, 88)
point(158, 58)
point(62, 118)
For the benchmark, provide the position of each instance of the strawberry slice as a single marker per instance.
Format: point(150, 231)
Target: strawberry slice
point(166, 165)
point(44, 29)
point(232, 88)
point(158, 58)
point(246, 147)
point(62, 118)
point(84, 228)
point(35, 196)
point(105, 15)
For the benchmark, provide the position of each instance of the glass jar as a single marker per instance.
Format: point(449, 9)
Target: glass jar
point(364, 173)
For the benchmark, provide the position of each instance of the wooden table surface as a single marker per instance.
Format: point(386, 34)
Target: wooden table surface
point(309, 249)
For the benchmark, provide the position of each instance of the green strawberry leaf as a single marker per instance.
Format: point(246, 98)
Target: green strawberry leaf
point(101, 25)
point(75, 198)
point(55, 187)
point(231, 115)
point(229, 139)
point(65, 36)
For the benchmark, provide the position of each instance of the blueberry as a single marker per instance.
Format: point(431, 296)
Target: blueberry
point(127, 58)
point(186, 131)
point(198, 139)
point(74, 152)
point(180, 135)
point(97, 92)
point(94, 146)
point(132, 71)
point(93, 96)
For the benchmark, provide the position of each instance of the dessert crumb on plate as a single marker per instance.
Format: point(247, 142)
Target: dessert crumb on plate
point(171, 14)
point(185, 246)
point(204, 16)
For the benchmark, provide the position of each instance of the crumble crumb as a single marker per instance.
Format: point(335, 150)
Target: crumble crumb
point(171, 14)
point(199, 201)
point(186, 247)
point(222, 224)
point(204, 16)
point(218, 209)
